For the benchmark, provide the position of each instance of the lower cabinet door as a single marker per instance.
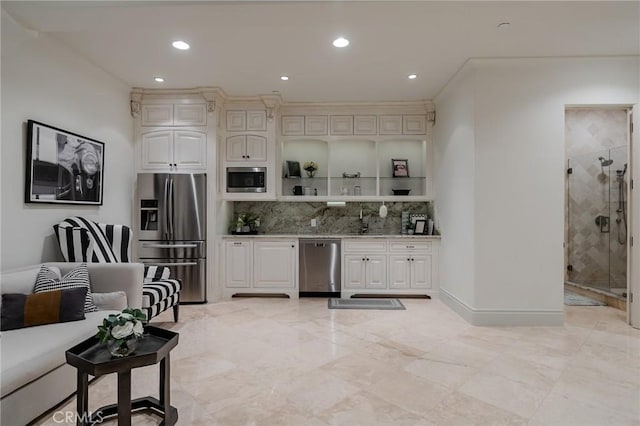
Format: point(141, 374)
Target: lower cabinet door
point(376, 272)
point(400, 271)
point(237, 270)
point(354, 271)
point(421, 275)
point(274, 264)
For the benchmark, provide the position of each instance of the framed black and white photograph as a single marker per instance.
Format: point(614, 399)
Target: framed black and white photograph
point(400, 168)
point(62, 167)
point(421, 227)
point(293, 169)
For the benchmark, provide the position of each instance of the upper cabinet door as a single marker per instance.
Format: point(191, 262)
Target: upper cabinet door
point(342, 124)
point(256, 120)
point(390, 124)
point(157, 150)
point(157, 115)
point(190, 150)
point(236, 121)
point(365, 125)
point(293, 125)
point(414, 124)
point(236, 148)
point(190, 115)
point(256, 148)
point(316, 125)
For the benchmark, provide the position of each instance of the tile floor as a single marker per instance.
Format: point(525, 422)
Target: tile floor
point(294, 362)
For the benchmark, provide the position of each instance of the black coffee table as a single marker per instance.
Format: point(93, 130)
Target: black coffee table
point(93, 358)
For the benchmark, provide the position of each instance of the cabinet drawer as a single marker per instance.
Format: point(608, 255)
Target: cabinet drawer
point(364, 246)
point(422, 246)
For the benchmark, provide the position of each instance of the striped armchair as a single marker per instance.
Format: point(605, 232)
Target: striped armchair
point(82, 240)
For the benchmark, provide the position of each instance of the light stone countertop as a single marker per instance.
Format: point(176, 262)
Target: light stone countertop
point(341, 236)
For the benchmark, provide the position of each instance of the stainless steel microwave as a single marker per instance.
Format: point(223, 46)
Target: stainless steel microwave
point(246, 179)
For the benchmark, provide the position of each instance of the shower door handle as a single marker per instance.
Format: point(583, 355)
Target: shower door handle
point(603, 223)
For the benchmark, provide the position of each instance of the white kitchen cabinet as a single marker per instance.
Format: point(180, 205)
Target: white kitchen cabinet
point(258, 265)
point(274, 264)
point(174, 115)
point(365, 125)
point(414, 124)
point(246, 148)
point(292, 125)
point(341, 124)
point(390, 125)
point(316, 125)
point(251, 120)
point(409, 271)
point(238, 261)
point(389, 266)
point(173, 150)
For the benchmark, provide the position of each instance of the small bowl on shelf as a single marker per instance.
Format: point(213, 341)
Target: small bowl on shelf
point(401, 191)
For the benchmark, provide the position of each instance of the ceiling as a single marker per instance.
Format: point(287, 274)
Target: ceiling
point(244, 47)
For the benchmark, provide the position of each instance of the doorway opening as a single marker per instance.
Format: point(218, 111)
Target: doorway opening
point(597, 143)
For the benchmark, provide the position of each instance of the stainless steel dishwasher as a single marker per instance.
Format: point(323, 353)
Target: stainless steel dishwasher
point(320, 267)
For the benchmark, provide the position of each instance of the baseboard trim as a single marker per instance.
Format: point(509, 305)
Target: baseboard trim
point(502, 317)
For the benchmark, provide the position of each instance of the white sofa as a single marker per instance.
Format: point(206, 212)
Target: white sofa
point(34, 376)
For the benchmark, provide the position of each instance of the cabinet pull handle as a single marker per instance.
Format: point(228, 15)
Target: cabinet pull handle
point(237, 244)
point(410, 247)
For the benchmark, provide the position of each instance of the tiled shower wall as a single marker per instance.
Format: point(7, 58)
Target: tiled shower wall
point(598, 258)
point(295, 217)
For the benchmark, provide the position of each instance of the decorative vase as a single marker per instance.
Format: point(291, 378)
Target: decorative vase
point(311, 173)
point(126, 348)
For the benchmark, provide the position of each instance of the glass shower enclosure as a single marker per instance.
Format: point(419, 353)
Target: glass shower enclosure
point(597, 221)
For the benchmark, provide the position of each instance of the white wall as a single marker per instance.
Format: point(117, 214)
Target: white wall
point(46, 82)
point(455, 204)
point(519, 176)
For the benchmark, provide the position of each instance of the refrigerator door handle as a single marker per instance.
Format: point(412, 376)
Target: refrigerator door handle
point(145, 245)
point(171, 263)
point(165, 221)
point(171, 208)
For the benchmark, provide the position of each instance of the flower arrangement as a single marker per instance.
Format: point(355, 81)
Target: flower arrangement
point(120, 331)
point(310, 166)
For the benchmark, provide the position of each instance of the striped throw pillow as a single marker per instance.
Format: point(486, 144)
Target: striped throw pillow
point(47, 280)
point(75, 244)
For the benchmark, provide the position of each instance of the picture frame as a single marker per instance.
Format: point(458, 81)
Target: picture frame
point(293, 169)
point(63, 167)
point(400, 167)
point(420, 227)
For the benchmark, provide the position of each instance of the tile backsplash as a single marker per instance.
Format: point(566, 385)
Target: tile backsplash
point(295, 217)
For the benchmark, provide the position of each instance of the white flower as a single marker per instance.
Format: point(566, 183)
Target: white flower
point(138, 329)
point(128, 317)
point(122, 331)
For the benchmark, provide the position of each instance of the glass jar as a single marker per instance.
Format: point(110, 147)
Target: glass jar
point(126, 348)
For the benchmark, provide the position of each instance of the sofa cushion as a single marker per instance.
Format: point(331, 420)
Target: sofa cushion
point(77, 277)
point(31, 352)
point(28, 310)
point(157, 291)
point(114, 301)
point(23, 280)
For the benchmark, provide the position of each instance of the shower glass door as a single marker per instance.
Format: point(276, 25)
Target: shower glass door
point(596, 254)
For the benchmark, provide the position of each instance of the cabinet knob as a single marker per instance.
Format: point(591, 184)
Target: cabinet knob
point(363, 259)
point(367, 259)
point(248, 156)
point(408, 260)
point(293, 246)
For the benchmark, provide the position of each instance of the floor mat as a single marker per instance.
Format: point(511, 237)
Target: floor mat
point(574, 299)
point(391, 304)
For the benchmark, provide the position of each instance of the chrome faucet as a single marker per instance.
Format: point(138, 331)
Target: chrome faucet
point(364, 225)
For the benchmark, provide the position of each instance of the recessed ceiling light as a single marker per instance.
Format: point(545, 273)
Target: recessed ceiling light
point(284, 78)
point(504, 25)
point(181, 45)
point(412, 76)
point(341, 42)
point(159, 79)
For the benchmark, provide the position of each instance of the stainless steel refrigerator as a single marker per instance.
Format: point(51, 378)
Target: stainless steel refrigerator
point(171, 222)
